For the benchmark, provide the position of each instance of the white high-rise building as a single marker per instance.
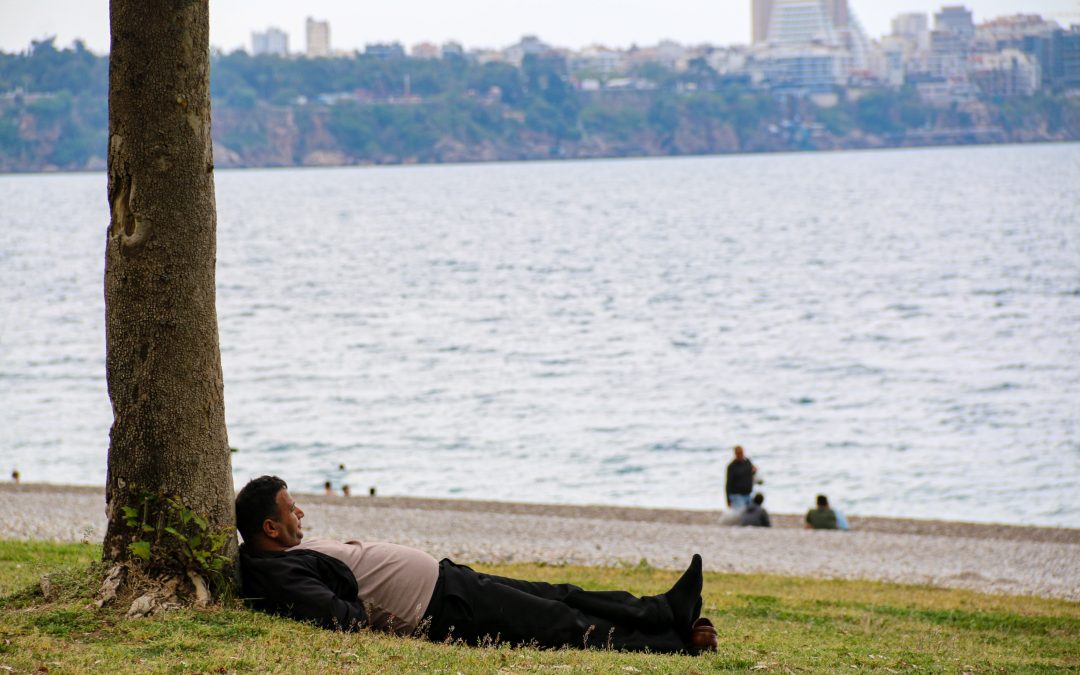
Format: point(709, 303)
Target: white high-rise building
point(810, 45)
point(801, 22)
point(273, 41)
point(318, 38)
point(762, 10)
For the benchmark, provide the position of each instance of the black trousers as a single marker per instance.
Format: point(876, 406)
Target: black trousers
point(479, 608)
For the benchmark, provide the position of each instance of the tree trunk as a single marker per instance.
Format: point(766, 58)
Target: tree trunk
point(163, 364)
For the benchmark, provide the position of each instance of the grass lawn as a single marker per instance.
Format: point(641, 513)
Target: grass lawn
point(766, 624)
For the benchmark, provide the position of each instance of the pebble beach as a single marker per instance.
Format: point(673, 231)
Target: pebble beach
point(989, 558)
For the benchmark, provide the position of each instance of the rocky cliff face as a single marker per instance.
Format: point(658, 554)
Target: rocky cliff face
point(278, 136)
point(51, 134)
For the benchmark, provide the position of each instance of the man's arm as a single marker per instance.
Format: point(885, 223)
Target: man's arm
point(306, 597)
point(305, 586)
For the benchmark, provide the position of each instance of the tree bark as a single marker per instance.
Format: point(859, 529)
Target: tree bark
point(163, 364)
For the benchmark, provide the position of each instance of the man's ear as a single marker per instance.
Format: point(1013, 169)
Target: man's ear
point(270, 528)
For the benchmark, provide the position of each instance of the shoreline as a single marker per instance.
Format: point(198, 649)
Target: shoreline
point(996, 559)
point(644, 514)
point(467, 162)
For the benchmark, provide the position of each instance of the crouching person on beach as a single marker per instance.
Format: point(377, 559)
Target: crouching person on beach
point(354, 584)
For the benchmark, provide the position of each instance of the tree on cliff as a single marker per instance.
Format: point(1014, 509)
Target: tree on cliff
point(169, 495)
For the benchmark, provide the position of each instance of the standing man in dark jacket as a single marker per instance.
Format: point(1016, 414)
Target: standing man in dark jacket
point(740, 480)
point(347, 585)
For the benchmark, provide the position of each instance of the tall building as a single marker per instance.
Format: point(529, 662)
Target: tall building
point(889, 62)
point(950, 46)
point(318, 38)
point(838, 13)
point(801, 22)
point(273, 41)
point(1070, 57)
point(814, 69)
point(1009, 72)
point(803, 50)
point(762, 14)
point(948, 55)
point(809, 45)
point(955, 19)
point(913, 25)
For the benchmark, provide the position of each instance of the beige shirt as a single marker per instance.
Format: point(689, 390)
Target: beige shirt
point(395, 582)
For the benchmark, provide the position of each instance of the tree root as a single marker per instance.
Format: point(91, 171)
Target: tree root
point(111, 585)
point(148, 595)
point(202, 591)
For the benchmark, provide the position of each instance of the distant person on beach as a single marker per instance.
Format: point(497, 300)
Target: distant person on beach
point(328, 489)
point(755, 515)
point(354, 584)
point(740, 480)
point(841, 519)
point(822, 517)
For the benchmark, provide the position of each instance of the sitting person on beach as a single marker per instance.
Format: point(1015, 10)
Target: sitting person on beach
point(755, 515)
point(353, 584)
point(822, 517)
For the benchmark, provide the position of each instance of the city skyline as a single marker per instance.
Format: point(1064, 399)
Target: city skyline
point(481, 23)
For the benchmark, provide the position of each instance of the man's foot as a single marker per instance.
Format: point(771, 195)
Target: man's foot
point(684, 598)
point(703, 636)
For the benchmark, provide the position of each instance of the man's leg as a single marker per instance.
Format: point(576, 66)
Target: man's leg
point(477, 607)
point(739, 501)
point(677, 608)
point(646, 613)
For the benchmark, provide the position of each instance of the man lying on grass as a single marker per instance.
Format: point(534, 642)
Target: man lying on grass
point(349, 585)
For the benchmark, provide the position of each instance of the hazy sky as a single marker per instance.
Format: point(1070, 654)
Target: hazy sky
point(475, 23)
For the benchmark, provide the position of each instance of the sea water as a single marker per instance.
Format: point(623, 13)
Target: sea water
point(896, 329)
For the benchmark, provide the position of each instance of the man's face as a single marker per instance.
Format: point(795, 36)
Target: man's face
point(739, 453)
point(285, 529)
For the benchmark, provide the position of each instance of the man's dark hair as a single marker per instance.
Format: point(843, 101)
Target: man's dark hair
point(822, 501)
point(759, 499)
point(255, 503)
